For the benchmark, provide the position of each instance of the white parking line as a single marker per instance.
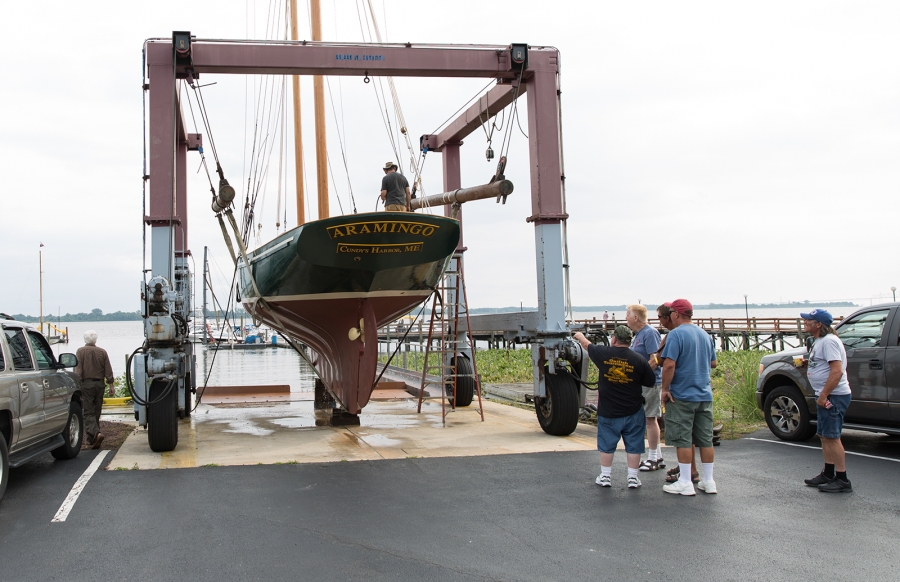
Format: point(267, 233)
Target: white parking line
point(77, 488)
point(820, 448)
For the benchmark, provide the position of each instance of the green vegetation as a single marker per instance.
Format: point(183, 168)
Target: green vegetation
point(734, 392)
point(733, 382)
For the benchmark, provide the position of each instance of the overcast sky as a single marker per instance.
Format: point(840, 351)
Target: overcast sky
point(712, 149)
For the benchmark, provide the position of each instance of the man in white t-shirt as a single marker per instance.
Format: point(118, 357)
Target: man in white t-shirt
point(826, 369)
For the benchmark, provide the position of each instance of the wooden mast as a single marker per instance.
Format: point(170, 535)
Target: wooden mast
point(298, 134)
point(319, 99)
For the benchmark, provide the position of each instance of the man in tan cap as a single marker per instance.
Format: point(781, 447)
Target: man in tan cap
point(394, 190)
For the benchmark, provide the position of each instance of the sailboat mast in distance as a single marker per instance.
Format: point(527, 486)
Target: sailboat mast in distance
point(298, 134)
point(319, 98)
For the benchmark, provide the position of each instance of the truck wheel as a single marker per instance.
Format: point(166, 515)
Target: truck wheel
point(162, 418)
point(558, 412)
point(4, 465)
point(788, 415)
point(72, 434)
point(465, 382)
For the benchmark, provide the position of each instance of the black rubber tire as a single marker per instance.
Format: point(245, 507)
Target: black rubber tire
point(162, 418)
point(465, 382)
point(787, 414)
point(4, 465)
point(558, 412)
point(73, 434)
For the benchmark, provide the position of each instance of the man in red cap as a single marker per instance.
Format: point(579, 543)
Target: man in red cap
point(689, 355)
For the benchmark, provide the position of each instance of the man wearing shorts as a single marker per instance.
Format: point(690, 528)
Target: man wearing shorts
point(826, 369)
point(620, 403)
point(686, 391)
point(646, 342)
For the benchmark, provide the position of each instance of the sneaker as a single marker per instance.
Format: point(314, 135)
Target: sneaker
point(820, 479)
point(836, 486)
point(680, 488)
point(708, 486)
point(634, 482)
point(98, 440)
point(649, 465)
point(603, 481)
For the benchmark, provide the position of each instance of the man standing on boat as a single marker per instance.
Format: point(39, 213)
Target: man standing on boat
point(93, 368)
point(395, 190)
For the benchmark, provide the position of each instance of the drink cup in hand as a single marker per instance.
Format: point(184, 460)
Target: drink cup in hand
point(828, 403)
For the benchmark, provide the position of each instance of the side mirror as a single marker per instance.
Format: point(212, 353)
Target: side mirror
point(68, 360)
point(809, 343)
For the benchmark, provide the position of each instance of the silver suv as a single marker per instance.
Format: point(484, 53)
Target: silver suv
point(40, 401)
point(871, 337)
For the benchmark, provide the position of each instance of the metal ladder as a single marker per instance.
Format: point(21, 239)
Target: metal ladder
point(459, 381)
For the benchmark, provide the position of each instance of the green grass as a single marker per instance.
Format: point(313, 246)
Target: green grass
point(734, 392)
point(733, 381)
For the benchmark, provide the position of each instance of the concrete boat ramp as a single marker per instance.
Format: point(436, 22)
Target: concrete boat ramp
point(268, 429)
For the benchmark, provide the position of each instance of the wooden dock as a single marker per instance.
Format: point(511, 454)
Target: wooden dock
point(729, 333)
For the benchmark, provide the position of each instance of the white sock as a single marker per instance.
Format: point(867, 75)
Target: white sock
point(707, 471)
point(685, 474)
point(632, 472)
point(658, 452)
point(652, 455)
point(605, 470)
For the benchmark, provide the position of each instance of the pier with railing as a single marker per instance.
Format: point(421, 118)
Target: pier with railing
point(729, 333)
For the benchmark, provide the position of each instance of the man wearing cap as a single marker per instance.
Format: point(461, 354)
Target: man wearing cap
point(689, 355)
point(620, 403)
point(394, 190)
point(826, 369)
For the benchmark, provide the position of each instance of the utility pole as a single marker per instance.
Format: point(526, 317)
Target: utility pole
point(41, 286)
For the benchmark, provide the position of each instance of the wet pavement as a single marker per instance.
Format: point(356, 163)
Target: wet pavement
point(390, 428)
point(531, 516)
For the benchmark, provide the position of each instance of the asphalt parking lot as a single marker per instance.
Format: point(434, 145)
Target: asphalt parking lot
point(535, 516)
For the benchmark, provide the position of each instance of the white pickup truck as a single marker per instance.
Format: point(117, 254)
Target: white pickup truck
point(40, 401)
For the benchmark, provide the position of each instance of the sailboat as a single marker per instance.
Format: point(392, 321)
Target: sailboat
point(331, 283)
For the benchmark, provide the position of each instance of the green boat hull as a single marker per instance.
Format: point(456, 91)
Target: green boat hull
point(332, 283)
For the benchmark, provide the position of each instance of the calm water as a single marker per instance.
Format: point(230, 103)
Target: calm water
point(224, 367)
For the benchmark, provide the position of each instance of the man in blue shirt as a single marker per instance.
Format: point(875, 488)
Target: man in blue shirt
point(688, 355)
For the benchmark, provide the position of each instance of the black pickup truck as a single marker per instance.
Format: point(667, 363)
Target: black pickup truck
point(871, 337)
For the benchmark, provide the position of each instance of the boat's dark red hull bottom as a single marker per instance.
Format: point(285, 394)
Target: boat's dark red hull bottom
point(326, 322)
point(330, 284)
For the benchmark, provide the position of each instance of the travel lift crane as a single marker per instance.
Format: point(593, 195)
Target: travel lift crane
point(164, 367)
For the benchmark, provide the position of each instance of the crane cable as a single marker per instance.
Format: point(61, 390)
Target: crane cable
point(398, 110)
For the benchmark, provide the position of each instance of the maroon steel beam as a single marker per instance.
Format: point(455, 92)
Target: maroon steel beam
point(287, 58)
point(476, 115)
point(544, 142)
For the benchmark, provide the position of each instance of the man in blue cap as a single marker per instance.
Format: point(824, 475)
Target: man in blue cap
point(826, 369)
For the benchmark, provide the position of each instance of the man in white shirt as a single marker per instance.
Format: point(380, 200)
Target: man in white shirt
point(827, 373)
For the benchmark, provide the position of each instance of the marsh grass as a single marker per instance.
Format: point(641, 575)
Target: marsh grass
point(734, 392)
point(733, 382)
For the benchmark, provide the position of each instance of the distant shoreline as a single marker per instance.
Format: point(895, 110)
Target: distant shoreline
point(136, 315)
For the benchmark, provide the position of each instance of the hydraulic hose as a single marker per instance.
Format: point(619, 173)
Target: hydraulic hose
point(129, 383)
